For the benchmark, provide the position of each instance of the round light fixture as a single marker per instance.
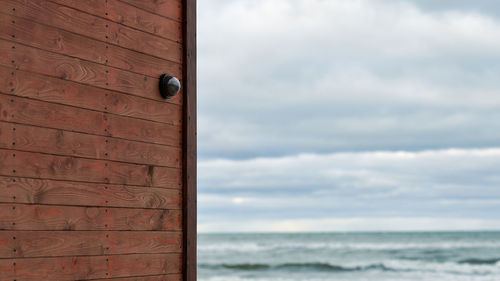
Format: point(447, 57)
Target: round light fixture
point(169, 86)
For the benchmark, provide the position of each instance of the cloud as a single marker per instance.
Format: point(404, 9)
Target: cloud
point(282, 77)
point(356, 191)
point(489, 7)
point(351, 224)
point(349, 115)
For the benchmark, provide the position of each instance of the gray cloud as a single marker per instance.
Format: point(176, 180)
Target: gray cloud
point(489, 7)
point(340, 114)
point(442, 183)
point(282, 77)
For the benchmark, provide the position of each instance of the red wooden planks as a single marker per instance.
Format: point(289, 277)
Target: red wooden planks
point(130, 16)
point(38, 113)
point(50, 192)
point(21, 83)
point(134, 129)
point(24, 244)
point(143, 20)
point(60, 41)
point(36, 139)
point(46, 166)
point(166, 177)
point(44, 140)
point(26, 111)
point(28, 32)
point(167, 8)
point(66, 18)
point(35, 60)
point(143, 153)
point(45, 217)
point(143, 64)
point(169, 277)
point(82, 268)
point(91, 157)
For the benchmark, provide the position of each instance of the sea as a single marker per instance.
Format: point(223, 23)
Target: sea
point(432, 256)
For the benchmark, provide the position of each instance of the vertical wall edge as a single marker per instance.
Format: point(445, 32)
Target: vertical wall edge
point(189, 144)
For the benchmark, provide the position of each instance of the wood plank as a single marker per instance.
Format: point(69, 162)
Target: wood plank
point(69, 19)
point(40, 87)
point(143, 64)
point(89, 81)
point(83, 268)
point(93, 7)
point(56, 65)
point(73, 69)
point(45, 217)
point(29, 244)
point(129, 16)
point(169, 277)
point(166, 177)
point(144, 42)
point(154, 242)
point(46, 166)
point(167, 8)
point(135, 129)
point(28, 32)
point(35, 139)
point(143, 20)
point(26, 111)
point(50, 192)
point(37, 113)
point(143, 153)
point(53, 39)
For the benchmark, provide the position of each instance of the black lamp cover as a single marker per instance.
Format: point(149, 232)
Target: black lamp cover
point(169, 86)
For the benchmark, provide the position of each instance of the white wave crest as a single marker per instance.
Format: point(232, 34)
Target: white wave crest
point(445, 267)
point(257, 247)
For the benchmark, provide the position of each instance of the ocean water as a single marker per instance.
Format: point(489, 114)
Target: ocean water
point(350, 256)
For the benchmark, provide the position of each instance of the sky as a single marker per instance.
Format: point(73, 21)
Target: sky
point(348, 115)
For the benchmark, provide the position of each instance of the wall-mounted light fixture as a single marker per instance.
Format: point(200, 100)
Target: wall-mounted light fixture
point(169, 86)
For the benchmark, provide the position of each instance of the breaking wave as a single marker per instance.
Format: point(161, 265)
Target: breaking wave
point(295, 266)
point(484, 266)
point(480, 261)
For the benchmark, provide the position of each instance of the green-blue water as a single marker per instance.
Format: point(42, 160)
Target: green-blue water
point(350, 256)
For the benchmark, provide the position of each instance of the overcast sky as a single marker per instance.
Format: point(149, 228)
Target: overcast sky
point(338, 115)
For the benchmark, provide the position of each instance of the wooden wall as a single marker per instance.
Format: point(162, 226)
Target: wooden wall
point(94, 164)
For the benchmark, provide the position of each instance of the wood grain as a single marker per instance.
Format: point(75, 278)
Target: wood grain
point(35, 60)
point(57, 218)
point(166, 177)
point(167, 8)
point(140, 130)
point(143, 20)
point(60, 41)
point(143, 153)
point(52, 39)
point(41, 87)
point(26, 111)
point(83, 268)
point(128, 15)
point(97, 171)
point(35, 139)
point(46, 166)
point(143, 64)
point(29, 244)
point(32, 112)
point(50, 192)
point(169, 277)
point(79, 22)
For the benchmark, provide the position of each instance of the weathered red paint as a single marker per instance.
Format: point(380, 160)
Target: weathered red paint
point(97, 171)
